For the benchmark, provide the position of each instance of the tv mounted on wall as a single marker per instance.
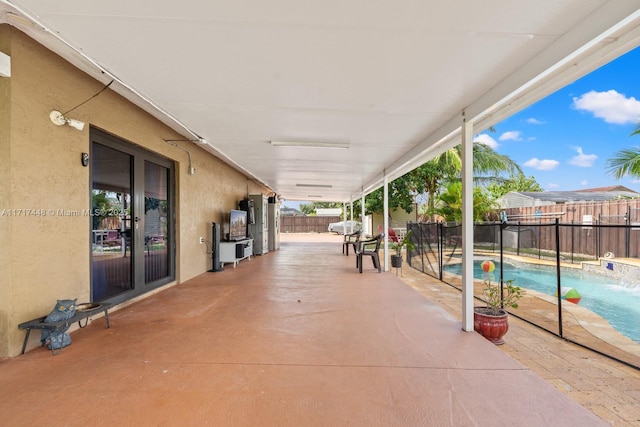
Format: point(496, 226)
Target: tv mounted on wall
point(237, 225)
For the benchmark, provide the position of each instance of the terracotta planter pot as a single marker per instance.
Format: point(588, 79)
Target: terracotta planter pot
point(490, 326)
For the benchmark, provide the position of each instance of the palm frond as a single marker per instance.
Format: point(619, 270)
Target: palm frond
point(625, 162)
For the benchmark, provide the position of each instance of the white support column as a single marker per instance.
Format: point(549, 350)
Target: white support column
point(467, 226)
point(351, 216)
point(344, 216)
point(385, 223)
point(362, 210)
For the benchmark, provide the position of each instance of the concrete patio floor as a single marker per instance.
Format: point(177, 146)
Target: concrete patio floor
point(293, 338)
point(607, 387)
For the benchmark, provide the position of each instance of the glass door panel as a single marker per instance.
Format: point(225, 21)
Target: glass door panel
point(111, 254)
point(156, 222)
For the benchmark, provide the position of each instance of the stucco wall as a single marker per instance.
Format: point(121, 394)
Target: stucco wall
point(48, 256)
point(5, 173)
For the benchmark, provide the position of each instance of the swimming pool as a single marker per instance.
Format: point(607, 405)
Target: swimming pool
point(616, 301)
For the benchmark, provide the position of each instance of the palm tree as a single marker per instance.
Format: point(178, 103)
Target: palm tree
point(626, 161)
point(488, 165)
point(449, 203)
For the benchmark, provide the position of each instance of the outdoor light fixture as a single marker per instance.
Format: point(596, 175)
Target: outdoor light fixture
point(59, 119)
point(310, 144)
point(5, 65)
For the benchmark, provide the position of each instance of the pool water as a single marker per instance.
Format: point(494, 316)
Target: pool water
point(616, 301)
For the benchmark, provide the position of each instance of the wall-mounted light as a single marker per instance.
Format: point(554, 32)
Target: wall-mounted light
point(5, 65)
point(59, 119)
point(85, 159)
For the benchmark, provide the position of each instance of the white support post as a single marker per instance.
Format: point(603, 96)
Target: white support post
point(344, 221)
point(467, 226)
point(351, 215)
point(385, 222)
point(362, 210)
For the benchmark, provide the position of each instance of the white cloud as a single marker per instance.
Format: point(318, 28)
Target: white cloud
point(534, 121)
point(611, 106)
point(584, 182)
point(485, 139)
point(512, 135)
point(531, 138)
point(542, 165)
point(553, 185)
point(583, 160)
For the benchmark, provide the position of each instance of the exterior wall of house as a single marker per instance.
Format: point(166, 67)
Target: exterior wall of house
point(5, 200)
point(398, 219)
point(45, 255)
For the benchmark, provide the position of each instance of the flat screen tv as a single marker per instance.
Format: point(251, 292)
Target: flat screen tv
point(237, 225)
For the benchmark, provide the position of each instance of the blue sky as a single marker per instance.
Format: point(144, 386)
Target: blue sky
point(565, 139)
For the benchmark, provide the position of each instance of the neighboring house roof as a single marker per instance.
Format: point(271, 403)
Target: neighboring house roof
point(515, 199)
point(610, 188)
point(328, 211)
point(290, 212)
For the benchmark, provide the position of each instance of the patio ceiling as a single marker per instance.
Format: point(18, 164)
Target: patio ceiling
point(389, 79)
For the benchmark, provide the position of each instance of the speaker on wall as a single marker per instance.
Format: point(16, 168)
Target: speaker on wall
point(215, 247)
point(247, 205)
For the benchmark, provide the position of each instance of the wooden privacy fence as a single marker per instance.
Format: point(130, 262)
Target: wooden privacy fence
point(585, 228)
point(610, 212)
point(306, 224)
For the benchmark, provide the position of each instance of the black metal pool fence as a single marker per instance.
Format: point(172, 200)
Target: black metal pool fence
point(439, 244)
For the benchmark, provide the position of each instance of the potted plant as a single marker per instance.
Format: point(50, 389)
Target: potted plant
point(406, 242)
point(492, 321)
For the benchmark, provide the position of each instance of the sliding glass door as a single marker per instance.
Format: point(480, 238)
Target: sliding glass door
point(132, 226)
